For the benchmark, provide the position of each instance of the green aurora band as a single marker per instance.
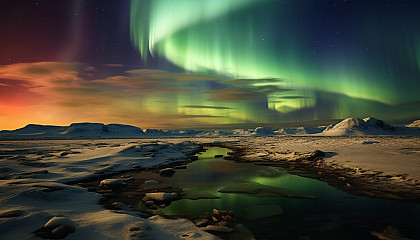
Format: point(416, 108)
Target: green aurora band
point(368, 57)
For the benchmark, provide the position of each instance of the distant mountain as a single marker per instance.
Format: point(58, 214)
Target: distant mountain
point(349, 126)
point(300, 130)
point(74, 131)
point(415, 124)
point(82, 130)
point(366, 126)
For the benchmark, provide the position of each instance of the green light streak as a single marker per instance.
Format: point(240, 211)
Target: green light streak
point(239, 39)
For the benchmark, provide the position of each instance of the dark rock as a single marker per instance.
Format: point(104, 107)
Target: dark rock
point(167, 172)
point(64, 153)
point(201, 222)
point(113, 184)
point(316, 155)
point(161, 197)
point(215, 228)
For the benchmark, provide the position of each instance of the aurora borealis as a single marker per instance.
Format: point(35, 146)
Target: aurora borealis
point(191, 64)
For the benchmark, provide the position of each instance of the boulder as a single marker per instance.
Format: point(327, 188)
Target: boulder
point(151, 182)
point(114, 184)
point(167, 172)
point(161, 197)
point(201, 222)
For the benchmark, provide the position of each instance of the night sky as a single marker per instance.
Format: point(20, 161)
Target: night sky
point(201, 63)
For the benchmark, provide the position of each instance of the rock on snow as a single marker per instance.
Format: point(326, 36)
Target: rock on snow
point(114, 184)
point(161, 196)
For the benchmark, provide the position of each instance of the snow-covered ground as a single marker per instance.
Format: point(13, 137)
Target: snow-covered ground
point(34, 174)
point(33, 188)
point(379, 166)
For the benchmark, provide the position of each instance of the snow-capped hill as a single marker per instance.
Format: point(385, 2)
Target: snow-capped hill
point(74, 131)
point(35, 128)
point(30, 128)
point(259, 131)
point(349, 126)
point(374, 123)
point(301, 130)
point(32, 131)
point(357, 126)
point(86, 129)
point(346, 125)
point(241, 132)
point(187, 132)
point(99, 130)
point(280, 131)
point(415, 124)
point(123, 130)
point(156, 132)
point(264, 131)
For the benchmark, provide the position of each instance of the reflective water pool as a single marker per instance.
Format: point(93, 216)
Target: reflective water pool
point(333, 215)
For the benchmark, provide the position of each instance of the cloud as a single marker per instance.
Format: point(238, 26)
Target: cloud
point(61, 93)
point(114, 65)
point(205, 107)
point(180, 116)
point(230, 95)
point(145, 71)
point(131, 82)
point(143, 84)
point(42, 74)
point(253, 81)
point(251, 93)
point(164, 75)
point(18, 93)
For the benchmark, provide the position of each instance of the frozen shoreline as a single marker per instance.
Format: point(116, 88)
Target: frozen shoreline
point(375, 166)
point(33, 187)
point(34, 174)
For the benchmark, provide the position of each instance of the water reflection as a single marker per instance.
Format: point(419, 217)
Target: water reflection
point(335, 214)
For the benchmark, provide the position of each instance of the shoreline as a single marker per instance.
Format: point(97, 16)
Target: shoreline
point(37, 176)
point(313, 164)
point(310, 164)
